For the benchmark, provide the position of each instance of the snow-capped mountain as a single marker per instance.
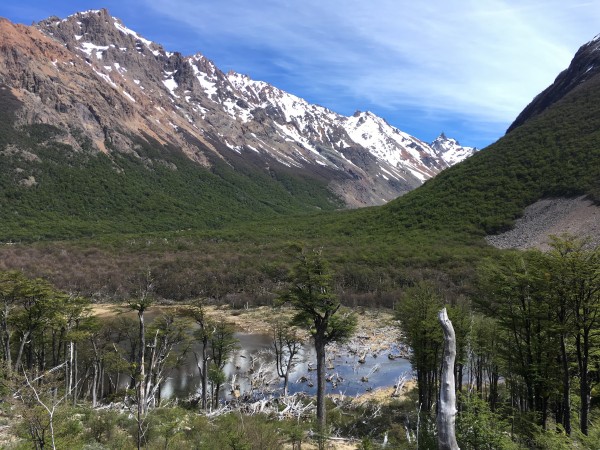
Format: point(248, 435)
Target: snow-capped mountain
point(450, 150)
point(91, 73)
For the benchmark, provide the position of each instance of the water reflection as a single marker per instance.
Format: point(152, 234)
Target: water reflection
point(252, 372)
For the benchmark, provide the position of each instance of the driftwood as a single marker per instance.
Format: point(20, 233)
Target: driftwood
point(399, 384)
point(363, 357)
point(293, 407)
point(447, 403)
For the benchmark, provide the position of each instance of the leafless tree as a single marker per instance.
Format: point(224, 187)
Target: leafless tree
point(287, 343)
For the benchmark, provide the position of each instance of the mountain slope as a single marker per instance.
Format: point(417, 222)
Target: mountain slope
point(553, 153)
point(376, 162)
point(91, 101)
point(584, 66)
point(78, 159)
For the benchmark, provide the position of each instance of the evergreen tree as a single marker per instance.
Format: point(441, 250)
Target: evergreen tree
point(319, 310)
point(417, 313)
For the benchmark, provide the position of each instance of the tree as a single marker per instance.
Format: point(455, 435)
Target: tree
point(318, 310)
point(49, 406)
point(49, 323)
point(222, 343)
point(479, 428)
point(484, 361)
point(167, 332)
point(574, 274)
point(446, 416)
point(514, 291)
point(72, 325)
point(417, 315)
point(203, 334)
point(39, 314)
point(140, 304)
point(547, 304)
point(100, 338)
point(287, 343)
point(462, 321)
point(11, 284)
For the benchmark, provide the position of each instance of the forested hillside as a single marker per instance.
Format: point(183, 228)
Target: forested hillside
point(50, 190)
point(554, 154)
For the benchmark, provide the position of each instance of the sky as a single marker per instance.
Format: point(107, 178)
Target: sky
point(464, 67)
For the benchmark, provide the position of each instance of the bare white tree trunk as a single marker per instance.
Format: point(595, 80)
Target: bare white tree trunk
point(447, 402)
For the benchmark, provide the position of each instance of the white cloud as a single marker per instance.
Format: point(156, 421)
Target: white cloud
point(485, 59)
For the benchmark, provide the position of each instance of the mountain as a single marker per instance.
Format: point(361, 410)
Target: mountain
point(551, 151)
point(86, 97)
point(373, 162)
point(450, 150)
point(584, 66)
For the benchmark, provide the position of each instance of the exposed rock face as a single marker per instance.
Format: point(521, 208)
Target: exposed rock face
point(552, 217)
point(91, 76)
point(584, 66)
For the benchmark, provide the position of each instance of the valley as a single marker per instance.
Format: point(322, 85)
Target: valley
point(154, 209)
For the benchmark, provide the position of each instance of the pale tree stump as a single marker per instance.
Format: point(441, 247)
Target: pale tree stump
point(446, 416)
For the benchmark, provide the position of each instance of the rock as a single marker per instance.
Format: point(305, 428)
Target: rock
point(556, 216)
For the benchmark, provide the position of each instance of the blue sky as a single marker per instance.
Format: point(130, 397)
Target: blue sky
point(465, 67)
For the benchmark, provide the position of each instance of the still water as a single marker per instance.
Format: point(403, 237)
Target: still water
point(252, 371)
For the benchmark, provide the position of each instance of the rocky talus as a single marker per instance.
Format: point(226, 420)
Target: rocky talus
point(552, 217)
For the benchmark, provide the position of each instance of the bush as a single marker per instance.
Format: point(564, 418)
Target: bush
point(478, 428)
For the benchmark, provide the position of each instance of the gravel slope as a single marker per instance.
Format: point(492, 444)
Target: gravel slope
point(576, 216)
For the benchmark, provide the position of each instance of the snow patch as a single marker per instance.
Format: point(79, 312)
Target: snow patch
point(119, 26)
point(209, 87)
point(105, 78)
point(88, 48)
point(119, 68)
point(171, 85)
point(83, 13)
point(128, 95)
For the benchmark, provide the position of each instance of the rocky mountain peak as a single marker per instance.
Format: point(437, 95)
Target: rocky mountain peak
point(450, 149)
point(96, 29)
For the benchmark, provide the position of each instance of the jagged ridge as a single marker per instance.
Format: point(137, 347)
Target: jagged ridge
point(103, 130)
point(373, 162)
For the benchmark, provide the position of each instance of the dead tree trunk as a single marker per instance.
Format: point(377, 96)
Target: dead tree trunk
point(446, 415)
point(321, 413)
